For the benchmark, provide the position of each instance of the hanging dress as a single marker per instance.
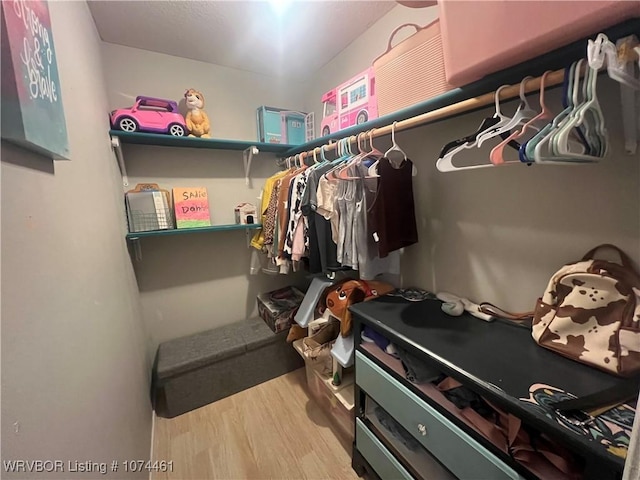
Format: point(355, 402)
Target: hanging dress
point(393, 208)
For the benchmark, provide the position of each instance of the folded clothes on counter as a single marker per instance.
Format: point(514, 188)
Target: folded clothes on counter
point(370, 335)
point(415, 369)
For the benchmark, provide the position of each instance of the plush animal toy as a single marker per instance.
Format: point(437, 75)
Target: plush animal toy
point(197, 119)
point(342, 296)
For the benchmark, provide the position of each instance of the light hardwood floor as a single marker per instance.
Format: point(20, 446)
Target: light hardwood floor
point(272, 431)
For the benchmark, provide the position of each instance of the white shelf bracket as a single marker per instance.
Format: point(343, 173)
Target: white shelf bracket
point(117, 148)
point(137, 249)
point(247, 156)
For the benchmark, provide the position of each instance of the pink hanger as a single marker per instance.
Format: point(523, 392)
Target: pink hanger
point(497, 153)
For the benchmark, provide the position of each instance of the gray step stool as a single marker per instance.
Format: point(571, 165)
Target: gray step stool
point(192, 371)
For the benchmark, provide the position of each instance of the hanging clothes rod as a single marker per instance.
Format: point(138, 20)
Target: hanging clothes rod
point(533, 85)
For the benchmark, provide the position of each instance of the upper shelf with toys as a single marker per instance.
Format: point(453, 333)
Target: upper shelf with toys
point(156, 121)
point(164, 140)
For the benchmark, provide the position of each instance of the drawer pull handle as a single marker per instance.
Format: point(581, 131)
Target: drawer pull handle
point(422, 429)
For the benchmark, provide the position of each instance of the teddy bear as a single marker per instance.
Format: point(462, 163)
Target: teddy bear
point(196, 119)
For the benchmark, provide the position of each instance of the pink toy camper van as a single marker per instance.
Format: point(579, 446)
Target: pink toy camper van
point(352, 103)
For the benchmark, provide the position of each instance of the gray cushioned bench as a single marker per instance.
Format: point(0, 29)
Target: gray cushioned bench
point(199, 369)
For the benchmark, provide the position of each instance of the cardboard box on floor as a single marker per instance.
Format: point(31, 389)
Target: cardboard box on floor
point(277, 308)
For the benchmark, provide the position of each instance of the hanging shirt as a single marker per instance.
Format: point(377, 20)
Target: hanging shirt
point(258, 239)
point(370, 265)
point(269, 222)
point(322, 249)
point(297, 188)
point(393, 208)
point(341, 208)
point(282, 210)
point(326, 193)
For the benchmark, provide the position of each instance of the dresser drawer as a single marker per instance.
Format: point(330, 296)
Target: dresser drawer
point(380, 459)
point(460, 453)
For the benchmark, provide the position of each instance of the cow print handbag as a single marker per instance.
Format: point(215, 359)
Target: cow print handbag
point(590, 312)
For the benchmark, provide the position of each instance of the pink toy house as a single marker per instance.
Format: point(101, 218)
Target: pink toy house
point(352, 103)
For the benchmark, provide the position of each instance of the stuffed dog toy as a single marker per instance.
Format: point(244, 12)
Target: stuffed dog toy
point(340, 297)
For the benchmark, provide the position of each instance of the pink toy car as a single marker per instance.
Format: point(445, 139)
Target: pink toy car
point(149, 114)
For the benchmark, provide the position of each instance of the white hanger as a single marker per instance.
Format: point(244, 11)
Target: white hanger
point(543, 152)
point(619, 67)
point(445, 163)
point(373, 168)
point(497, 154)
point(503, 119)
point(579, 117)
point(343, 172)
point(322, 156)
point(396, 148)
point(523, 113)
point(548, 150)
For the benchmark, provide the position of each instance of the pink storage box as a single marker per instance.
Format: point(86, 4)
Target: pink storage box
point(412, 71)
point(484, 37)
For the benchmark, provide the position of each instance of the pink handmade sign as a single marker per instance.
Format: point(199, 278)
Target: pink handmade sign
point(191, 207)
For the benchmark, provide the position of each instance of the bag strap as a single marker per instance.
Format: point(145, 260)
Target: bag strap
point(617, 394)
point(397, 29)
point(491, 309)
point(625, 260)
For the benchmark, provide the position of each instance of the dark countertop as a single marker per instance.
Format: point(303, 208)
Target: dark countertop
point(497, 359)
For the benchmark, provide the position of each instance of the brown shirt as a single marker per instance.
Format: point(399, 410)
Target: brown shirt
point(393, 208)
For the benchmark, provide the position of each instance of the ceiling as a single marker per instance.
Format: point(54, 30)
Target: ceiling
point(279, 37)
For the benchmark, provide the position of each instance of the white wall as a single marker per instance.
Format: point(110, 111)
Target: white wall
point(75, 369)
point(190, 283)
point(231, 95)
point(498, 234)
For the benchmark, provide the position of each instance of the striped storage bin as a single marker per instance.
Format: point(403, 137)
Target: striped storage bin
point(411, 71)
